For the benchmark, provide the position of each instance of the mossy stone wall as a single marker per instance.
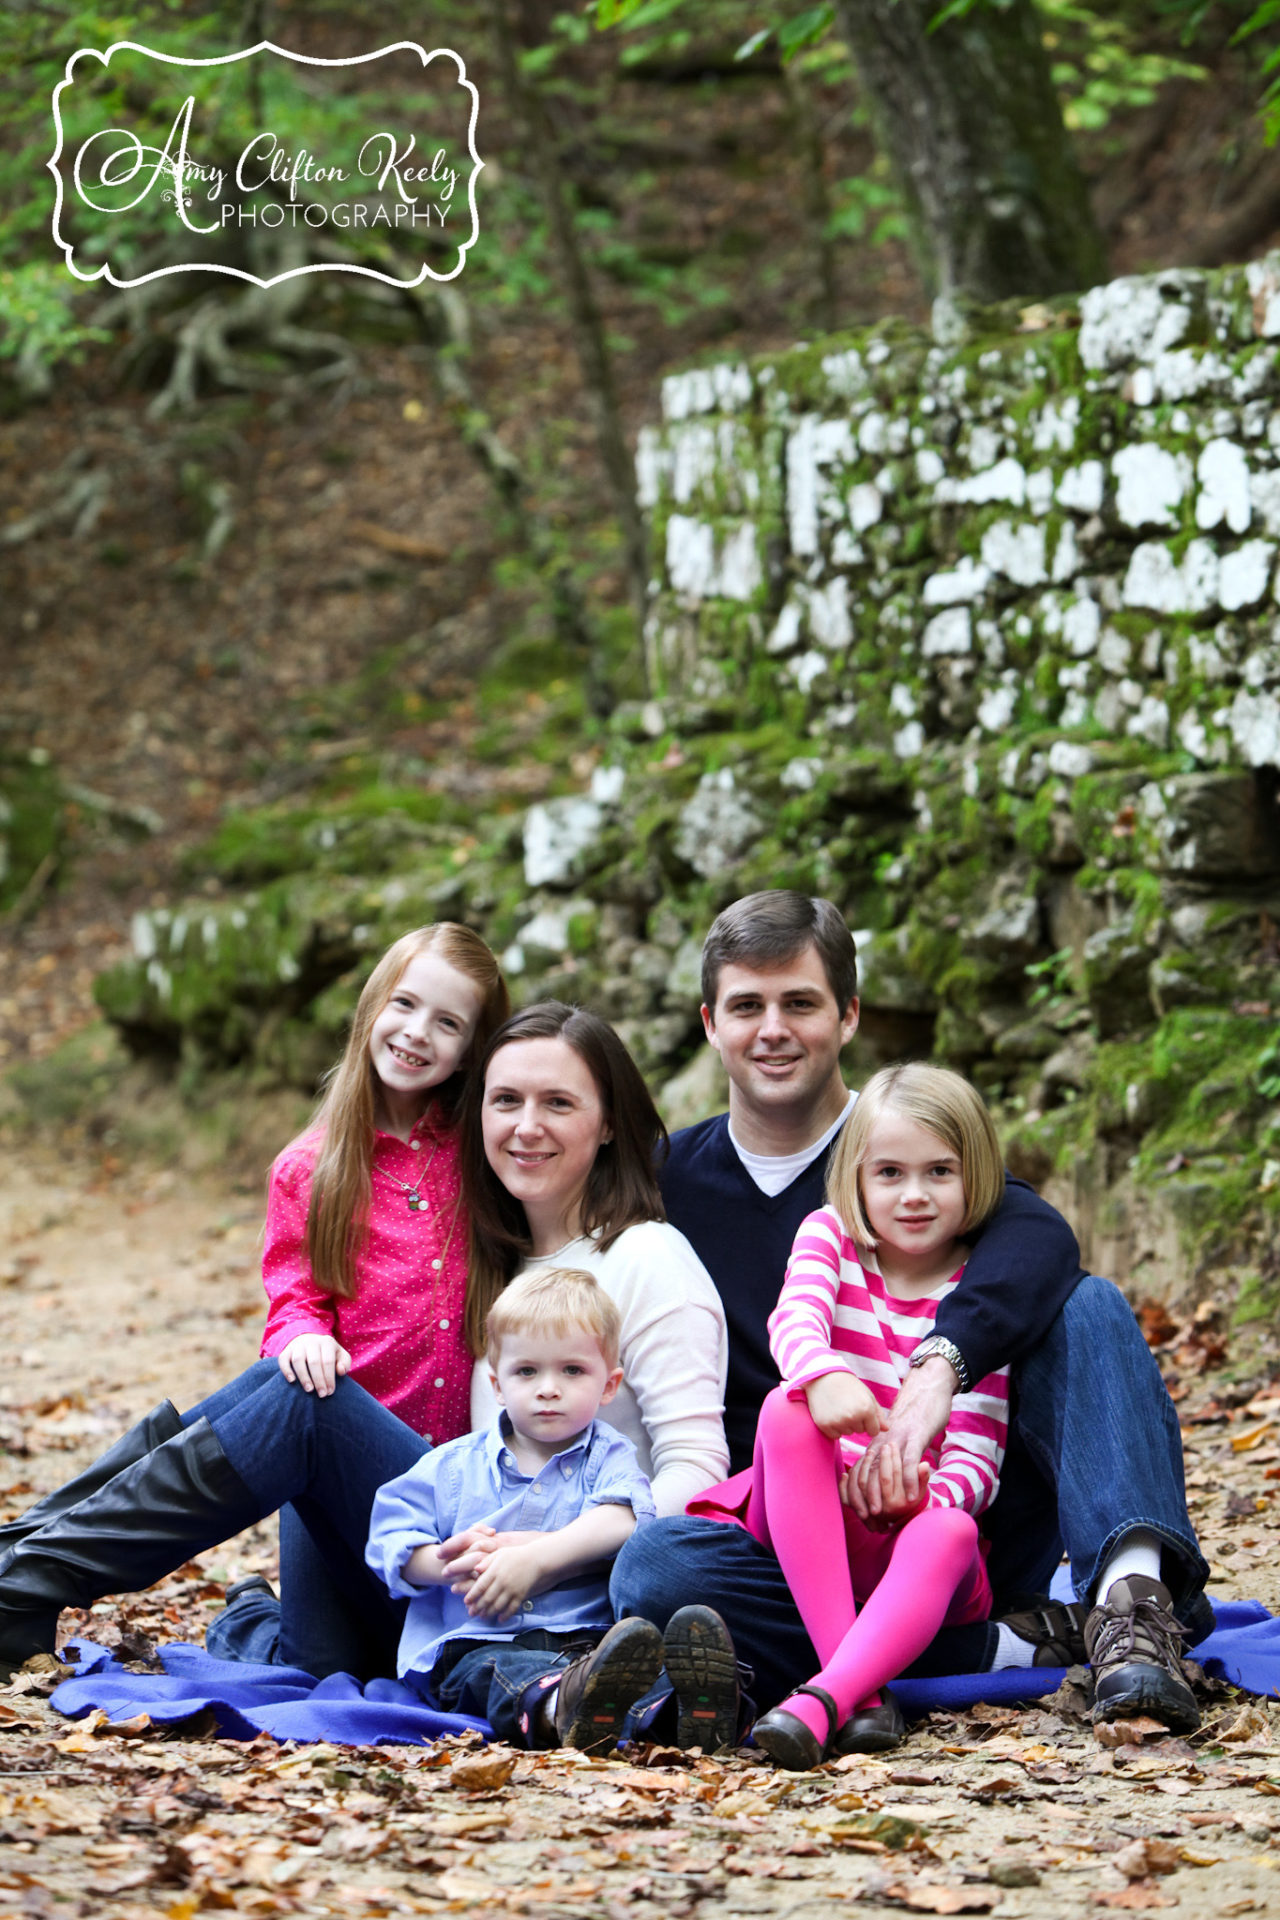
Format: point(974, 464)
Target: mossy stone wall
point(979, 639)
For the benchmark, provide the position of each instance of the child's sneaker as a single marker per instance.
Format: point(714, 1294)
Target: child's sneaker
point(703, 1669)
point(597, 1692)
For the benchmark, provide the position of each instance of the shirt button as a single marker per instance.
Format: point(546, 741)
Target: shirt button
point(427, 1437)
point(415, 1146)
point(435, 1268)
point(444, 1323)
point(566, 1471)
point(527, 1607)
point(439, 1383)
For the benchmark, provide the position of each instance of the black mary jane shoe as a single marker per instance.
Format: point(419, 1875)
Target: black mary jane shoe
point(872, 1729)
point(788, 1741)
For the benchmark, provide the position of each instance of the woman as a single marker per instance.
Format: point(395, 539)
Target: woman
point(578, 1159)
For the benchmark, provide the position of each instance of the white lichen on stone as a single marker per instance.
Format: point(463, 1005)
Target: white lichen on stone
point(1254, 724)
point(1159, 583)
point(1016, 550)
point(947, 633)
point(1223, 473)
point(967, 580)
point(1136, 318)
point(1081, 489)
point(1056, 425)
point(717, 825)
point(908, 741)
point(1245, 575)
point(998, 706)
point(866, 506)
point(1005, 482)
point(556, 834)
point(902, 700)
point(1150, 484)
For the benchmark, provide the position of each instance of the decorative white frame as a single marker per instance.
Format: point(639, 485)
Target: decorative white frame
point(247, 53)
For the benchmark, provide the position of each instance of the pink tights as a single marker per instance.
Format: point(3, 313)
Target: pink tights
point(926, 1574)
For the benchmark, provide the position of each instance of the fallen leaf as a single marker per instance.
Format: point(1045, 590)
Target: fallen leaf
point(1128, 1733)
point(1135, 1898)
point(923, 1898)
point(1242, 1442)
point(1004, 1786)
point(1141, 1858)
point(1248, 1724)
point(483, 1772)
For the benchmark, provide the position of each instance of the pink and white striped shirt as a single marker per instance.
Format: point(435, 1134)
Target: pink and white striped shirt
point(835, 1315)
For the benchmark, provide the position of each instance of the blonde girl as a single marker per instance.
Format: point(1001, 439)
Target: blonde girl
point(917, 1169)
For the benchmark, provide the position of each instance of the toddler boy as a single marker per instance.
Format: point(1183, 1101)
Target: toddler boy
point(502, 1541)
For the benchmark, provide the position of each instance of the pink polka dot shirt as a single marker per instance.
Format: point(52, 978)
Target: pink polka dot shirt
point(405, 1327)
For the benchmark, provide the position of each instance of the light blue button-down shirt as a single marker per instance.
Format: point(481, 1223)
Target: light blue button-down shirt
point(477, 1479)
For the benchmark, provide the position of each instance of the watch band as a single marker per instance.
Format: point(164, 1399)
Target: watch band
point(938, 1345)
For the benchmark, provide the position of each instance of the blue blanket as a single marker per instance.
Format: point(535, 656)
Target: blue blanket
point(1244, 1648)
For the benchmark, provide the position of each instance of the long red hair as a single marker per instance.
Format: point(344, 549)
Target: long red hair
point(342, 1177)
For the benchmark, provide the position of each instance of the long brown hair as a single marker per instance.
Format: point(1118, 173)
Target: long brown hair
point(342, 1178)
point(622, 1187)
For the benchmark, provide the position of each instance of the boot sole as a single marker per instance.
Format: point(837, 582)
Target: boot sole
point(1148, 1689)
point(627, 1670)
point(703, 1669)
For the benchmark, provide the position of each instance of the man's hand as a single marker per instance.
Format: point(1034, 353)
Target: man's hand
point(505, 1580)
point(839, 1404)
point(315, 1361)
point(918, 1416)
point(896, 1505)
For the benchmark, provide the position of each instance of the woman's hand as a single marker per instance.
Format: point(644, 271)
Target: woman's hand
point(315, 1362)
point(840, 1404)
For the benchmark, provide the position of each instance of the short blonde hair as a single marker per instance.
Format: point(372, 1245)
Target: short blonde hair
point(558, 1300)
point(943, 1103)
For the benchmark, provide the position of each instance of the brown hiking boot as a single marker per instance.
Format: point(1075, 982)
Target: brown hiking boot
point(1133, 1643)
point(1054, 1628)
point(598, 1690)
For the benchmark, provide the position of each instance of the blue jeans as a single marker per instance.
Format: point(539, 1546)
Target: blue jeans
point(1094, 1452)
point(323, 1461)
point(490, 1678)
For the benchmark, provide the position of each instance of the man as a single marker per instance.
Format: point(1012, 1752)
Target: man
point(1094, 1459)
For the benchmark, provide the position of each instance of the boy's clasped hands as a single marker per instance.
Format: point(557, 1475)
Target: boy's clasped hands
point(840, 1404)
point(493, 1572)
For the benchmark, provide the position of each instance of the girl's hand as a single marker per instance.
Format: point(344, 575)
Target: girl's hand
point(839, 1404)
point(315, 1362)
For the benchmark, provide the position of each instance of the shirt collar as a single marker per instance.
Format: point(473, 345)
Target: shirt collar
point(498, 1436)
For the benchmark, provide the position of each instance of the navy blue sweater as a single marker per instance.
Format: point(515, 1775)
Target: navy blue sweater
point(1024, 1264)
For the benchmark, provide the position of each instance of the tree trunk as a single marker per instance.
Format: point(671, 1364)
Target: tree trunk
point(584, 314)
point(971, 123)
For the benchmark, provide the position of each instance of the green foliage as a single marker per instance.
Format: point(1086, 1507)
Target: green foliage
point(37, 326)
point(1052, 980)
point(1097, 65)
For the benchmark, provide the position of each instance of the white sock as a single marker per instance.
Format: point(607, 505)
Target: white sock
point(1138, 1552)
point(1010, 1650)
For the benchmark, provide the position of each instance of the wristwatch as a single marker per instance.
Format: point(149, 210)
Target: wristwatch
point(938, 1344)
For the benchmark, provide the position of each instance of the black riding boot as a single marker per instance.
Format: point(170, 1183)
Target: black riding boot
point(151, 1431)
point(184, 1496)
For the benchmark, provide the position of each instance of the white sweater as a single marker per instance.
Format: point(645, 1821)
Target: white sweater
point(675, 1353)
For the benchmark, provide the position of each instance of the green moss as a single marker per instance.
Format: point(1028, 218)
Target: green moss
point(32, 820)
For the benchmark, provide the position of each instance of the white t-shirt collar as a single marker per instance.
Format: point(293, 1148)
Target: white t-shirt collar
point(774, 1171)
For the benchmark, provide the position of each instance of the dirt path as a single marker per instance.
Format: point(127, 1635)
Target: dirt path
point(117, 1289)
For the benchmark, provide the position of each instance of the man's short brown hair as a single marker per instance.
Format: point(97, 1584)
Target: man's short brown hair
point(768, 929)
